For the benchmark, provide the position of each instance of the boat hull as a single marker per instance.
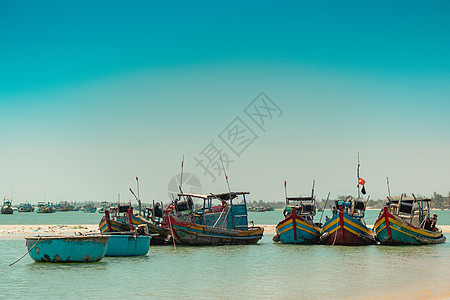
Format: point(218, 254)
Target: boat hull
point(116, 226)
point(343, 229)
point(7, 211)
point(392, 230)
point(65, 249)
point(128, 245)
point(296, 230)
point(188, 233)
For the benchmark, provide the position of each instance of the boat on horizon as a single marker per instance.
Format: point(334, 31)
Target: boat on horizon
point(64, 206)
point(298, 227)
point(25, 207)
point(7, 207)
point(67, 249)
point(213, 224)
point(45, 208)
point(403, 221)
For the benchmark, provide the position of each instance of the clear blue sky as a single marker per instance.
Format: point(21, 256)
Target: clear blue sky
point(94, 94)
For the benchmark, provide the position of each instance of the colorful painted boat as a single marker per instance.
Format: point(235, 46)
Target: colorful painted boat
point(347, 226)
point(225, 224)
point(64, 206)
point(298, 227)
point(89, 208)
point(127, 244)
point(7, 208)
point(45, 208)
point(25, 207)
point(404, 223)
point(65, 249)
point(122, 218)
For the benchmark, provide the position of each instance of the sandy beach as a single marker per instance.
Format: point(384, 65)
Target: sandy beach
point(20, 231)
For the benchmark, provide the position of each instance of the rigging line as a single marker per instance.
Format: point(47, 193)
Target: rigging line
point(25, 253)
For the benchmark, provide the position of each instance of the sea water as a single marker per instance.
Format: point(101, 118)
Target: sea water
point(266, 270)
point(82, 218)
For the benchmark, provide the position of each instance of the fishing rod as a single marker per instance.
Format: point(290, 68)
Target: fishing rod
point(324, 207)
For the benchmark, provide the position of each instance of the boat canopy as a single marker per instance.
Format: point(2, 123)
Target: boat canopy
point(300, 198)
point(221, 196)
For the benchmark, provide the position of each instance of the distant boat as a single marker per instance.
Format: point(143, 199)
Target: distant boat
point(64, 206)
point(64, 249)
point(25, 207)
point(45, 208)
point(224, 224)
point(104, 205)
point(6, 208)
point(127, 244)
point(89, 208)
point(404, 222)
point(298, 227)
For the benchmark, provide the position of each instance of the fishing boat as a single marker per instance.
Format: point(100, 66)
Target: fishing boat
point(403, 221)
point(122, 219)
point(65, 249)
point(64, 206)
point(25, 207)
point(223, 224)
point(347, 225)
point(89, 208)
point(298, 227)
point(6, 208)
point(44, 208)
point(104, 206)
point(127, 243)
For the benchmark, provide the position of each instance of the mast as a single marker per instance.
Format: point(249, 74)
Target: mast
point(138, 197)
point(357, 176)
point(285, 192)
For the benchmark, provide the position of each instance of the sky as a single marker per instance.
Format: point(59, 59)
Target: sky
point(93, 94)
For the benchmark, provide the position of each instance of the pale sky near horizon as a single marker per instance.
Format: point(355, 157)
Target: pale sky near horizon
point(94, 94)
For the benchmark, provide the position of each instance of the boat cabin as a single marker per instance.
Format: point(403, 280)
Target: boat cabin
point(218, 210)
point(354, 207)
point(410, 209)
point(304, 206)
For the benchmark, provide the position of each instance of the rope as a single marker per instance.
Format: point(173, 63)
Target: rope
point(335, 236)
point(25, 253)
point(171, 231)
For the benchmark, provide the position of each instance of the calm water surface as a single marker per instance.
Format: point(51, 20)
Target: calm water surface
point(79, 217)
point(266, 270)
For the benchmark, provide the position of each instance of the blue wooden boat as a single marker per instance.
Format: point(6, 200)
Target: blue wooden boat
point(64, 249)
point(298, 227)
point(127, 244)
point(44, 208)
point(25, 207)
point(224, 224)
point(347, 226)
point(404, 222)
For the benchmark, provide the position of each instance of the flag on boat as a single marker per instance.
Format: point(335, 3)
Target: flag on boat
point(361, 181)
point(363, 190)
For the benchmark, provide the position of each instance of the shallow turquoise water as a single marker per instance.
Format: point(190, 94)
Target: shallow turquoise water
point(266, 270)
point(78, 217)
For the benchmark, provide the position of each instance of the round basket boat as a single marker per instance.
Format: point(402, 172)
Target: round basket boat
point(64, 249)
